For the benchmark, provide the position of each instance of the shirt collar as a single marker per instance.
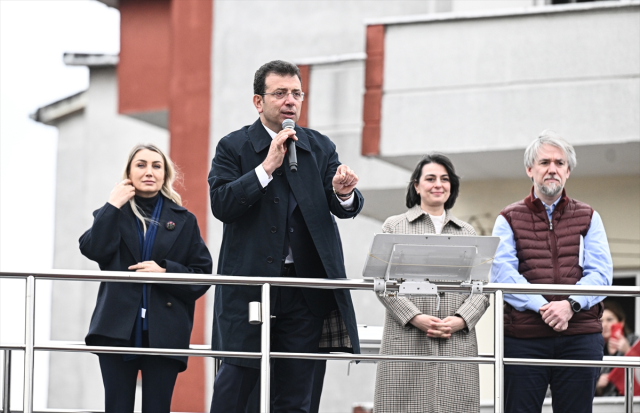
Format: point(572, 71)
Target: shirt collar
point(416, 212)
point(270, 132)
point(260, 141)
point(551, 207)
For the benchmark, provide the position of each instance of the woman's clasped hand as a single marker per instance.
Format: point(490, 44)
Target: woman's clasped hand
point(437, 328)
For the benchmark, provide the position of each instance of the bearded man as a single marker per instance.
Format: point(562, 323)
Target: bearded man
point(549, 238)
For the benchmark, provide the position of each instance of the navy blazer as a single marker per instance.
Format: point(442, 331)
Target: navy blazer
point(113, 243)
point(255, 224)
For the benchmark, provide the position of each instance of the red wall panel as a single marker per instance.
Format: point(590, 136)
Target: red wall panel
point(305, 72)
point(189, 122)
point(143, 70)
point(374, 77)
point(165, 64)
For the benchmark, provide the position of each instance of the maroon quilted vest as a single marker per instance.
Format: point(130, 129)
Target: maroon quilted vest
point(548, 254)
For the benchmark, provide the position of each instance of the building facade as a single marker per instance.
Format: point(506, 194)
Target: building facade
point(387, 81)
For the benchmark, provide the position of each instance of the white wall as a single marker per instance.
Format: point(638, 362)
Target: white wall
point(335, 108)
point(477, 84)
point(250, 33)
point(484, 5)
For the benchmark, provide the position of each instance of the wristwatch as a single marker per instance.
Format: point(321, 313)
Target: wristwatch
point(575, 306)
point(343, 195)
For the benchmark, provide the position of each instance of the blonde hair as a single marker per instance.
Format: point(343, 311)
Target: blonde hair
point(170, 176)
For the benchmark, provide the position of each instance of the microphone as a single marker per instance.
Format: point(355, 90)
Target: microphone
point(291, 146)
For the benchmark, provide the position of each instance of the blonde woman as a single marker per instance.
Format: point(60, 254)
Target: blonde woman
point(144, 228)
point(417, 326)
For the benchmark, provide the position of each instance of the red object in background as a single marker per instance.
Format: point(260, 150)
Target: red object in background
point(616, 376)
point(616, 329)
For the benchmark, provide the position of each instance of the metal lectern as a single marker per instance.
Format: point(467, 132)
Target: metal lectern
point(417, 262)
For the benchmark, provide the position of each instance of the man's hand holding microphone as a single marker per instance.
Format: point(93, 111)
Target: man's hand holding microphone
point(344, 181)
point(278, 147)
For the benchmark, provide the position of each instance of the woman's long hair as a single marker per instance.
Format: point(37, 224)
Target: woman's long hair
point(170, 176)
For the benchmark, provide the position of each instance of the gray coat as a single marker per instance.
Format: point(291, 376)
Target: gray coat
point(428, 387)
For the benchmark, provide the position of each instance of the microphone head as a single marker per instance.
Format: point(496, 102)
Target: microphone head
point(288, 124)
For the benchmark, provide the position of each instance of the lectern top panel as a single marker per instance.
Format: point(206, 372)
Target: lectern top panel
point(430, 256)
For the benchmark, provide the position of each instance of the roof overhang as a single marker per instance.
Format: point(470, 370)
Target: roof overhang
point(601, 160)
point(506, 12)
point(91, 59)
point(54, 112)
point(610, 159)
point(332, 59)
point(50, 114)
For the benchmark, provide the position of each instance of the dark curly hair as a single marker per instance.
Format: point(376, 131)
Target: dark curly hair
point(279, 67)
point(412, 196)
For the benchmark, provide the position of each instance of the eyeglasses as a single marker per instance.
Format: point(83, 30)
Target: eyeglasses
point(281, 94)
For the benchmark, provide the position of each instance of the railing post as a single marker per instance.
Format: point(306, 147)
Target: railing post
point(628, 390)
point(265, 365)
point(498, 353)
point(29, 327)
point(6, 387)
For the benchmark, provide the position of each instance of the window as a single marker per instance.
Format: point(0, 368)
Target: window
point(630, 305)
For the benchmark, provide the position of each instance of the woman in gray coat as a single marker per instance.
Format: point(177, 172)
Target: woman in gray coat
point(413, 326)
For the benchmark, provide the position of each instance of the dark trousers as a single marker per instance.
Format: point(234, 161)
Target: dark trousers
point(572, 388)
point(159, 376)
point(294, 329)
point(320, 367)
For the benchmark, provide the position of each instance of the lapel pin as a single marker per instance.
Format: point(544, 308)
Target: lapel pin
point(171, 225)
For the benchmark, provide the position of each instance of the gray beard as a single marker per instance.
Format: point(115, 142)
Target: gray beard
point(548, 191)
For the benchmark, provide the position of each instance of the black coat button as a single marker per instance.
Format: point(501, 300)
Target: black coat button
point(279, 172)
point(169, 304)
point(274, 230)
point(243, 201)
point(269, 260)
point(290, 229)
point(276, 200)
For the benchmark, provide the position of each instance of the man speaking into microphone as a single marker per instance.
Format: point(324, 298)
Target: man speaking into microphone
point(278, 207)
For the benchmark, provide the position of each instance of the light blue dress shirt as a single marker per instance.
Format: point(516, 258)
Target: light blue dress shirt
point(597, 266)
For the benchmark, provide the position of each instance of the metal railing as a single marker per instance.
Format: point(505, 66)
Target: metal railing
point(498, 359)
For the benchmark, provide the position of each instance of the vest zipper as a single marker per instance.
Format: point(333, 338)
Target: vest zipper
point(554, 252)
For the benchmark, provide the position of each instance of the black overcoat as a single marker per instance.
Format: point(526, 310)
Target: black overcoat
point(255, 221)
point(113, 243)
